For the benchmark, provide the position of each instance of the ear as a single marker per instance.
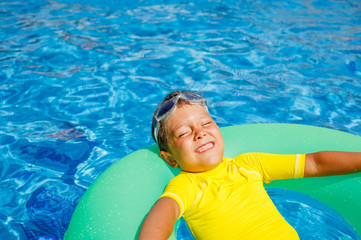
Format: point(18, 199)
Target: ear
point(167, 157)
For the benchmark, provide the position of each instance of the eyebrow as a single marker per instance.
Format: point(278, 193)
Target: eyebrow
point(178, 127)
point(182, 124)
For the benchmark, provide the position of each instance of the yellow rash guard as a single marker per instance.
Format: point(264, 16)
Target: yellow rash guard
point(230, 202)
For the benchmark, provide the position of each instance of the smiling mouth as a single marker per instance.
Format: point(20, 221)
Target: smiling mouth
point(205, 147)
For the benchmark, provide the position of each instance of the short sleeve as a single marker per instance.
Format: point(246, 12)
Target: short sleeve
point(274, 166)
point(182, 190)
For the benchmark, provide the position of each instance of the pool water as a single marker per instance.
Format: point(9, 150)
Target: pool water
point(79, 81)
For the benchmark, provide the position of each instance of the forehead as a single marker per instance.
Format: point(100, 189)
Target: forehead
point(185, 113)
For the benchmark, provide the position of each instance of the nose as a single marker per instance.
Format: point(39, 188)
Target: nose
point(200, 134)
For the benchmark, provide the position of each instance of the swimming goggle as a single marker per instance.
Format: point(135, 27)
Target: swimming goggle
point(168, 107)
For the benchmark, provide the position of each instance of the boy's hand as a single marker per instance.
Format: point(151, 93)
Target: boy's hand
point(160, 220)
point(328, 163)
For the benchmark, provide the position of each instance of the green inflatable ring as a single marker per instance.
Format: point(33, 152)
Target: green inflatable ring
point(116, 203)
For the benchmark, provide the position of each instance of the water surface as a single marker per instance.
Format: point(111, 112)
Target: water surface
point(79, 81)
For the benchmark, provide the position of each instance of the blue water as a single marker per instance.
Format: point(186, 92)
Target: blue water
point(312, 219)
point(79, 81)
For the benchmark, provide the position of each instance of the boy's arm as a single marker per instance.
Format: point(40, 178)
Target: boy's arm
point(160, 220)
point(328, 163)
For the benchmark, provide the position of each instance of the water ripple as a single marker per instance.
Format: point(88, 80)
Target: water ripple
point(79, 82)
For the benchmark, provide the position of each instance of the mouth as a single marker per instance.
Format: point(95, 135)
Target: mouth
point(205, 147)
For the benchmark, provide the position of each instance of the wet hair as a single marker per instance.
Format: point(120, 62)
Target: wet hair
point(162, 134)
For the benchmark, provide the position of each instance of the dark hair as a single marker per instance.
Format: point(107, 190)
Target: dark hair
point(162, 134)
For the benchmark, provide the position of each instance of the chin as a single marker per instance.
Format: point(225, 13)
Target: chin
point(214, 164)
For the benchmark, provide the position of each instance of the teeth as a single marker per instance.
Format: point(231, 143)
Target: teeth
point(205, 147)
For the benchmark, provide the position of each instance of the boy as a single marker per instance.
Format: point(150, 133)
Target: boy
point(222, 198)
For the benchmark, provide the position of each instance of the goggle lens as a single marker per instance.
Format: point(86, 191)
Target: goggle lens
point(166, 108)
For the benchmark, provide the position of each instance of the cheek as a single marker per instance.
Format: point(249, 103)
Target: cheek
point(219, 138)
point(184, 148)
point(215, 131)
point(176, 147)
point(181, 145)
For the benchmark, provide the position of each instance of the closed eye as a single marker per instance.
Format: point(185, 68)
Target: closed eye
point(183, 134)
point(207, 123)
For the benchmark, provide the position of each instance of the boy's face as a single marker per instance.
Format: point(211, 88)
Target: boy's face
point(194, 140)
